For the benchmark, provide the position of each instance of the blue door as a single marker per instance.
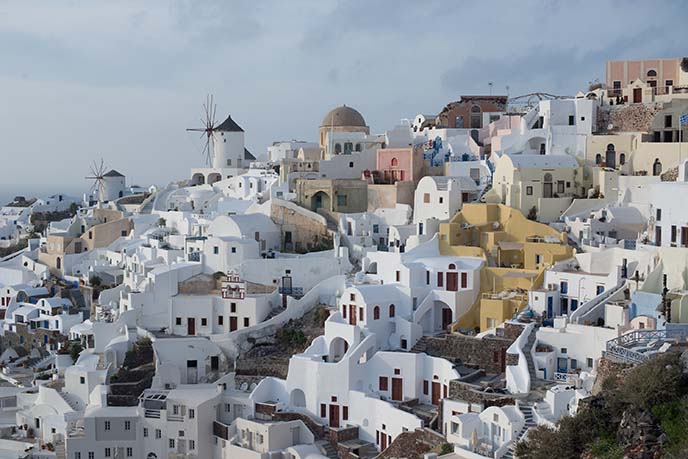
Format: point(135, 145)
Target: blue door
point(550, 307)
point(574, 305)
point(562, 365)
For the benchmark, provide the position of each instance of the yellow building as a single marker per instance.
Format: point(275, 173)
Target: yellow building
point(517, 251)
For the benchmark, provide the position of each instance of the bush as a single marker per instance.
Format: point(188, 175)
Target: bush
point(656, 382)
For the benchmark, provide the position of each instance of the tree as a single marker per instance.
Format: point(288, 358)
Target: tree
point(75, 349)
point(532, 214)
point(73, 208)
point(684, 64)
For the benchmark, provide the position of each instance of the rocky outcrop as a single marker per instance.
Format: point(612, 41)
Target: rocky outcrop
point(640, 430)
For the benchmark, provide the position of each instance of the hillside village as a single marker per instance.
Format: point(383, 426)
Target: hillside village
point(462, 285)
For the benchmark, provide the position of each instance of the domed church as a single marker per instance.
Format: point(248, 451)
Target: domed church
point(342, 119)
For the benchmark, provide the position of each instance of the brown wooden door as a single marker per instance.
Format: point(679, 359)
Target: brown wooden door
point(452, 281)
point(397, 389)
point(334, 415)
point(464, 280)
point(232, 323)
point(446, 318)
point(190, 326)
point(637, 95)
point(352, 314)
point(383, 441)
point(436, 393)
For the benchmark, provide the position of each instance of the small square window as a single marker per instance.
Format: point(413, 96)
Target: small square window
point(178, 321)
point(246, 322)
point(233, 249)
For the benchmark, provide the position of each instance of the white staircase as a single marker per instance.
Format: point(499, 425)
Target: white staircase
point(527, 410)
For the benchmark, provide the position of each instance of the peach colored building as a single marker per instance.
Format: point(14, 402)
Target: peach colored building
point(656, 73)
point(400, 164)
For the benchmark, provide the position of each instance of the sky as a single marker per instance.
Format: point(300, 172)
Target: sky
point(121, 81)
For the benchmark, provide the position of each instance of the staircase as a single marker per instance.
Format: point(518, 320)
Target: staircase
point(529, 356)
point(327, 449)
point(71, 400)
point(421, 345)
point(60, 452)
point(527, 410)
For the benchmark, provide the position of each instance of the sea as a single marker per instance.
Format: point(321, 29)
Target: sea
point(8, 192)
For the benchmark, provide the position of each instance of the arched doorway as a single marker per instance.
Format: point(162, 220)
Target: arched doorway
point(547, 186)
point(214, 177)
point(657, 167)
point(338, 348)
point(320, 200)
point(297, 399)
point(610, 156)
point(197, 179)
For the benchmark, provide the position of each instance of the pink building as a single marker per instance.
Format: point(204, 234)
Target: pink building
point(656, 73)
point(400, 164)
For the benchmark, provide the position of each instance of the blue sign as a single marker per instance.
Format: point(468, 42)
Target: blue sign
point(683, 119)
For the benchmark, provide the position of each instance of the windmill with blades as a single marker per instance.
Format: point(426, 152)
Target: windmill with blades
point(107, 185)
point(224, 151)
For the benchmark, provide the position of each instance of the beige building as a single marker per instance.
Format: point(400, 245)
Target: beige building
point(662, 74)
point(84, 234)
point(536, 185)
point(341, 119)
point(332, 195)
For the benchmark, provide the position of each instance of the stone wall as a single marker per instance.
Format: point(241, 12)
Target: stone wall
point(459, 390)
point(318, 430)
point(485, 353)
point(27, 339)
point(302, 230)
point(413, 445)
point(343, 434)
point(626, 118)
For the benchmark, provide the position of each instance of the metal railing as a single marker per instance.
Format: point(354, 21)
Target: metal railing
point(296, 292)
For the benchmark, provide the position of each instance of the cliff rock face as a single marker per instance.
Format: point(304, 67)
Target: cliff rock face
point(640, 430)
point(626, 118)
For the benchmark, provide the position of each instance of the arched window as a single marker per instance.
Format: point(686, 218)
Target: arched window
point(58, 263)
point(657, 167)
point(652, 73)
point(622, 158)
point(452, 266)
point(348, 147)
point(391, 310)
point(475, 109)
point(610, 147)
point(337, 148)
point(395, 162)
point(376, 312)
point(598, 159)
point(548, 177)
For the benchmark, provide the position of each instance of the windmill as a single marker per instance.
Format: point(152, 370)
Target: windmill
point(208, 128)
point(98, 177)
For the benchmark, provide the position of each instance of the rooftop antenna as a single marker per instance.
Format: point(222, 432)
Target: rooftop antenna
point(489, 83)
point(98, 177)
point(208, 128)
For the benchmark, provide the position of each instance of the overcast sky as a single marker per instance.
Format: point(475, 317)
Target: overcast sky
point(81, 80)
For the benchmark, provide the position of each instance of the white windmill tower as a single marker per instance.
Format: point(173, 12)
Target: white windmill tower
point(98, 189)
point(224, 149)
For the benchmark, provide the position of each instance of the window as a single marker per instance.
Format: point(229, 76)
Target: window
point(392, 310)
point(107, 425)
point(352, 297)
point(572, 120)
point(360, 314)
point(383, 383)
point(181, 433)
point(108, 452)
point(345, 413)
point(529, 190)
point(171, 442)
point(426, 198)
point(376, 312)
point(220, 320)
point(130, 451)
point(227, 407)
point(341, 200)
point(651, 73)
point(658, 215)
point(426, 387)
point(441, 199)
point(216, 250)
point(158, 434)
point(178, 321)
point(622, 158)
point(91, 455)
point(127, 425)
point(560, 186)
point(323, 410)
point(564, 350)
point(232, 307)
point(145, 431)
point(233, 249)
point(574, 364)
point(376, 229)
point(204, 322)
point(564, 287)
point(599, 289)
point(589, 362)
point(673, 233)
point(440, 279)
point(598, 159)
point(82, 380)
point(192, 414)
point(398, 276)
point(192, 444)
point(668, 82)
point(246, 321)
point(77, 455)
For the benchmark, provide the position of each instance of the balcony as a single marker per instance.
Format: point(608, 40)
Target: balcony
point(296, 292)
point(221, 430)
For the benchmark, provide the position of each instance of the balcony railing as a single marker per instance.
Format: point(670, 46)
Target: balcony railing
point(296, 292)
